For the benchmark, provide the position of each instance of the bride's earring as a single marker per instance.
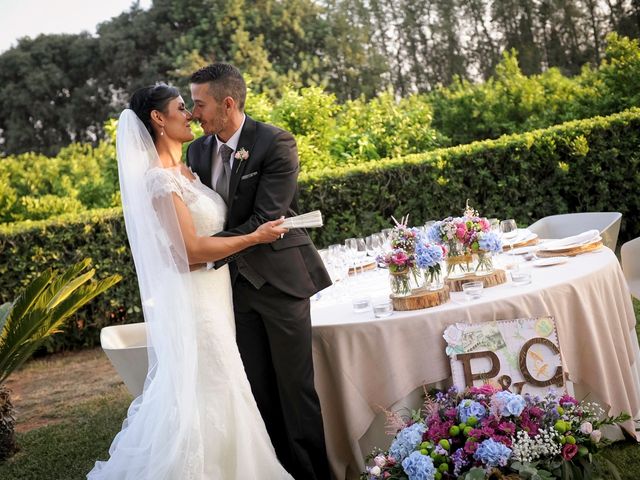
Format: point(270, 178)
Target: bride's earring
point(162, 131)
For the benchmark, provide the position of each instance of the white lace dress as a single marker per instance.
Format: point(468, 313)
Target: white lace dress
point(236, 443)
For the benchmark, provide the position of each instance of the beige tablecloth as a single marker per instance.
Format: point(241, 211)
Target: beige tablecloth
point(362, 363)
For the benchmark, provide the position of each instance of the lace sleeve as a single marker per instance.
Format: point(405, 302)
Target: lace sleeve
point(160, 182)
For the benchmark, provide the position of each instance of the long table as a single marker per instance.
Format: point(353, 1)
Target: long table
point(363, 364)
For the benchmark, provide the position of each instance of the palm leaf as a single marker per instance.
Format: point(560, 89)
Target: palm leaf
point(44, 306)
point(27, 298)
point(5, 310)
point(59, 282)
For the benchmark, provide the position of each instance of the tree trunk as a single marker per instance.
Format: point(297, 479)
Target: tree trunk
point(8, 444)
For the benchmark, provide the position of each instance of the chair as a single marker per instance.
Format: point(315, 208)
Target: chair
point(630, 259)
point(565, 225)
point(126, 347)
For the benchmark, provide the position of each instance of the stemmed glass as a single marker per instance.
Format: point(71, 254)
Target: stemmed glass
point(509, 230)
point(374, 244)
point(358, 250)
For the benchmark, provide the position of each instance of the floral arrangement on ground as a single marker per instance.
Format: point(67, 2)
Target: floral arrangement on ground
point(486, 433)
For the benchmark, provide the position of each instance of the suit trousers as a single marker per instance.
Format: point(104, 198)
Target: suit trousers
point(273, 332)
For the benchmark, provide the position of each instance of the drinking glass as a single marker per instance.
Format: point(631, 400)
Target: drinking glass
point(374, 244)
point(509, 230)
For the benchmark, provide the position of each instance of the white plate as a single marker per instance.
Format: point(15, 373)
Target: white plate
point(567, 247)
point(547, 262)
point(523, 250)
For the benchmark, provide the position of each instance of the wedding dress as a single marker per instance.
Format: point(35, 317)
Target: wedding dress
point(197, 418)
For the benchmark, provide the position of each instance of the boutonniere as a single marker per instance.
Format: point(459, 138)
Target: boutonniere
point(241, 155)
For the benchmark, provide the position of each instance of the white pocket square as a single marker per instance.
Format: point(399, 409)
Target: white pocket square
point(248, 175)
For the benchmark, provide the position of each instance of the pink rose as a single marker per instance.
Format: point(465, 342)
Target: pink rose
point(399, 258)
point(380, 461)
point(569, 451)
point(485, 225)
point(586, 428)
point(461, 231)
point(595, 436)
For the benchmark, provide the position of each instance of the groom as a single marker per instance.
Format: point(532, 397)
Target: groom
point(254, 167)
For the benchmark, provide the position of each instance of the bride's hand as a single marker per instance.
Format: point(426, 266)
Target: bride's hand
point(270, 231)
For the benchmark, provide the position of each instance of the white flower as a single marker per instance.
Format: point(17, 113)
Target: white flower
point(375, 471)
point(453, 335)
point(380, 461)
point(586, 428)
point(596, 435)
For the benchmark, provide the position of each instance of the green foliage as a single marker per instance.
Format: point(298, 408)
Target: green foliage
point(81, 177)
point(41, 309)
point(511, 102)
point(587, 165)
point(27, 247)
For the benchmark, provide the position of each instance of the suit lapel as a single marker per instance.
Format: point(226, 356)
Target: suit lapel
point(247, 141)
point(206, 160)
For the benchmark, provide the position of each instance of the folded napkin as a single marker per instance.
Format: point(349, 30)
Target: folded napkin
point(573, 241)
point(523, 234)
point(306, 220)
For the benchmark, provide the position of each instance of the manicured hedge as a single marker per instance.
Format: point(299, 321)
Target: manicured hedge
point(585, 165)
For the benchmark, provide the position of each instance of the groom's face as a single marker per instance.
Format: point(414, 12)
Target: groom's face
point(211, 113)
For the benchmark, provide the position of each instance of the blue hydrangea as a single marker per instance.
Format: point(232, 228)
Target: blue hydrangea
point(492, 453)
point(470, 408)
point(419, 467)
point(406, 441)
point(509, 403)
point(428, 255)
point(490, 242)
point(434, 235)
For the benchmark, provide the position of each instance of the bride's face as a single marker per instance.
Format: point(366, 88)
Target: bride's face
point(176, 121)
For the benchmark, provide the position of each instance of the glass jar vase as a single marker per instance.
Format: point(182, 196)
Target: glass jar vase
point(484, 264)
point(404, 282)
point(434, 277)
point(459, 266)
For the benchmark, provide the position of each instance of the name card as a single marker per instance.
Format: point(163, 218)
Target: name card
point(521, 355)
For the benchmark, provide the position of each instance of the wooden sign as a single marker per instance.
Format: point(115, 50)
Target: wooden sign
point(521, 355)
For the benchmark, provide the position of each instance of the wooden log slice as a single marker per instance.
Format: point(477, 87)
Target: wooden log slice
point(497, 277)
point(421, 299)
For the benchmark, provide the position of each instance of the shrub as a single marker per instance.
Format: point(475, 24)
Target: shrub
point(585, 165)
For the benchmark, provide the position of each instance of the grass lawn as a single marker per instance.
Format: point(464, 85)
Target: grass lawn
point(70, 407)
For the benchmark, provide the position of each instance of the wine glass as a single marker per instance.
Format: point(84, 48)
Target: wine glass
point(509, 231)
point(374, 244)
point(358, 249)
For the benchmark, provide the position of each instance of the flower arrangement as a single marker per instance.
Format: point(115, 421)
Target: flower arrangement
point(401, 260)
point(483, 433)
point(429, 257)
point(465, 236)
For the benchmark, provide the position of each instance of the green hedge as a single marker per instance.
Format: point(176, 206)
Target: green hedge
point(586, 165)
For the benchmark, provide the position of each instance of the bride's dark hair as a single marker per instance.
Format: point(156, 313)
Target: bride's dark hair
point(154, 97)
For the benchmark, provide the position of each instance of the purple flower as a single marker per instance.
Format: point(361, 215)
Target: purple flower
point(569, 451)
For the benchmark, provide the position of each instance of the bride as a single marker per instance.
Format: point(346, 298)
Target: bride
point(196, 418)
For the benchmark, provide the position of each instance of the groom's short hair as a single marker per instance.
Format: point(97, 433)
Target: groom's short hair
point(224, 80)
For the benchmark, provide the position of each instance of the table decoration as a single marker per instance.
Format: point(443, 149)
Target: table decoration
point(431, 259)
point(469, 241)
point(404, 274)
point(485, 433)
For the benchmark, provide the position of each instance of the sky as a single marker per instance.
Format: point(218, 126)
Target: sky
point(21, 18)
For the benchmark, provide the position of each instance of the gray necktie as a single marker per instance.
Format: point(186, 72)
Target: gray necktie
point(222, 185)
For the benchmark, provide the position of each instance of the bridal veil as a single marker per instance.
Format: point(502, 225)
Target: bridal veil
point(160, 438)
